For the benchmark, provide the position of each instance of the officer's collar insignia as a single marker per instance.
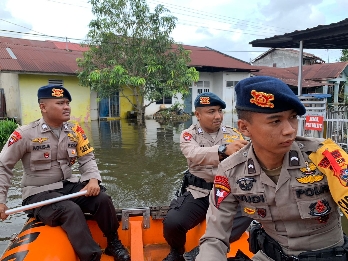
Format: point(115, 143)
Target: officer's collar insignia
point(223, 128)
point(251, 166)
point(249, 211)
point(57, 92)
point(200, 130)
point(187, 136)
point(262, 99)
point(261, 212)
point(320, 209)
point(335, 161)
point(204, 100)
point(246, 184)
point(46, 155)
point(293, 158)
point(15, 136)
point(311, 176)
point(44, 127)
point(221, 189)
point(66, 126)
point(40, 140)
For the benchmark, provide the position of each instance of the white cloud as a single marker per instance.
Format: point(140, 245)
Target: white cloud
point(225, 25)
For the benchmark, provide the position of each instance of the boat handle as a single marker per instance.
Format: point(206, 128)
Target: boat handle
point(145, 212)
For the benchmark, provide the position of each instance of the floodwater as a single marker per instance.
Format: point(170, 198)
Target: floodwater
point(140, 166)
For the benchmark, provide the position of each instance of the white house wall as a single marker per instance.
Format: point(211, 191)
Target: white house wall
point(281, 59)
point(229, 92)
point(217, 81)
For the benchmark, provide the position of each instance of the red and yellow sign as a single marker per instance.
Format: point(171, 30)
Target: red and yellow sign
point(314, 123)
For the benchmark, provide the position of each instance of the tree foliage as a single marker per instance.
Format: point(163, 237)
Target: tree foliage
point(344, 55)
point(131, 48)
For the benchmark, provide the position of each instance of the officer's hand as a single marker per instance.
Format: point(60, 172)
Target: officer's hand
point(92, 188)
point(3, 208)
point(235, 146)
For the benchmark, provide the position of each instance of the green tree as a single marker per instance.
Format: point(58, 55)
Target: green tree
point(131, 48)
point(344, 55)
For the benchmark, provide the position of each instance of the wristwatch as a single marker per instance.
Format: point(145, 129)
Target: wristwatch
point(221, 150)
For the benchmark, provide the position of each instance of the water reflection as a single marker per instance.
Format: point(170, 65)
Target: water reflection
point(139, 166)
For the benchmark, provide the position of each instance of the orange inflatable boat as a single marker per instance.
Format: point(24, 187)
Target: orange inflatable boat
point(141, 231)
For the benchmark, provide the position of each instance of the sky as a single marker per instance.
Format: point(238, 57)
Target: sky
point(227, 26)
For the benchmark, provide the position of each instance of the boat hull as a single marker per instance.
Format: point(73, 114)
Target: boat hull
point(142, 234)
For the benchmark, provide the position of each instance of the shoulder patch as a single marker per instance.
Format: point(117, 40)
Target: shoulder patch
point(15, 136)
point(222, 189)
point(187, 136)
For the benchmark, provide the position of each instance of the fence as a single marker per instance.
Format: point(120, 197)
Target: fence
point(335, 124)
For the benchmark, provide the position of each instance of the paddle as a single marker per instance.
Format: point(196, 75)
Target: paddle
point(45, 202)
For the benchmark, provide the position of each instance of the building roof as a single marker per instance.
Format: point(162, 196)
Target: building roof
point(207, 57)
point(313, 75)
point(305, 55)
point(332, 36)
point(33, 56)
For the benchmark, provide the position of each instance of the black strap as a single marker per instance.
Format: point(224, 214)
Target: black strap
point(197, 182)
point(190, 179)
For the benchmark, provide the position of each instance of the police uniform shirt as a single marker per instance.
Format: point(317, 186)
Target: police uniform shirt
point(46, 159)
point(201, 152)
point(298, 212)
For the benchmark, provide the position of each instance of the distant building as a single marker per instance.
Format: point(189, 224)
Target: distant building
point(284, 58)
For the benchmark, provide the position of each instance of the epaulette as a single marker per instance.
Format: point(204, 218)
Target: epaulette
point(239, 157)
point(30, 125)
point(308, 144)
point(192, 127)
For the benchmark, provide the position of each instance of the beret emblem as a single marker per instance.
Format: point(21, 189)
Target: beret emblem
point(57, 92)
point(262, 99)
point(204, 100)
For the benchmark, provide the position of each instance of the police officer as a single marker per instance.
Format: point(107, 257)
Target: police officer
point(204, 145)
point(280, 182)
point(48, 148)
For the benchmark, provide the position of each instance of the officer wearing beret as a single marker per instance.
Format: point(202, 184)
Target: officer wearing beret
point(48, 148)
point(204, 145)
point(292, 186)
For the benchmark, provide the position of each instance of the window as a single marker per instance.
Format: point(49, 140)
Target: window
point(203, 86)
point(165, 100)
point(231, 83)
point(56, 82)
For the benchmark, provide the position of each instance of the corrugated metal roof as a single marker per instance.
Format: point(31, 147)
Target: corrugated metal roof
point(53, 57)
point(313, 75)
point(322, 71)
point(36, 57)
point(205, 56)
point(331, 36)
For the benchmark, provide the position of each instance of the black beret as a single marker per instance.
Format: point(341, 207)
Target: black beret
point(209, 99)
point(267, 95)
point(53, 91)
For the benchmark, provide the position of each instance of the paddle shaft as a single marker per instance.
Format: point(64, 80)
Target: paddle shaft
point(45, 202)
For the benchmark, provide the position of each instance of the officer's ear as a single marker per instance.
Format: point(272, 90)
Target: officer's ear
point(197, 113)
point(243, 127)
point(42, 105)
